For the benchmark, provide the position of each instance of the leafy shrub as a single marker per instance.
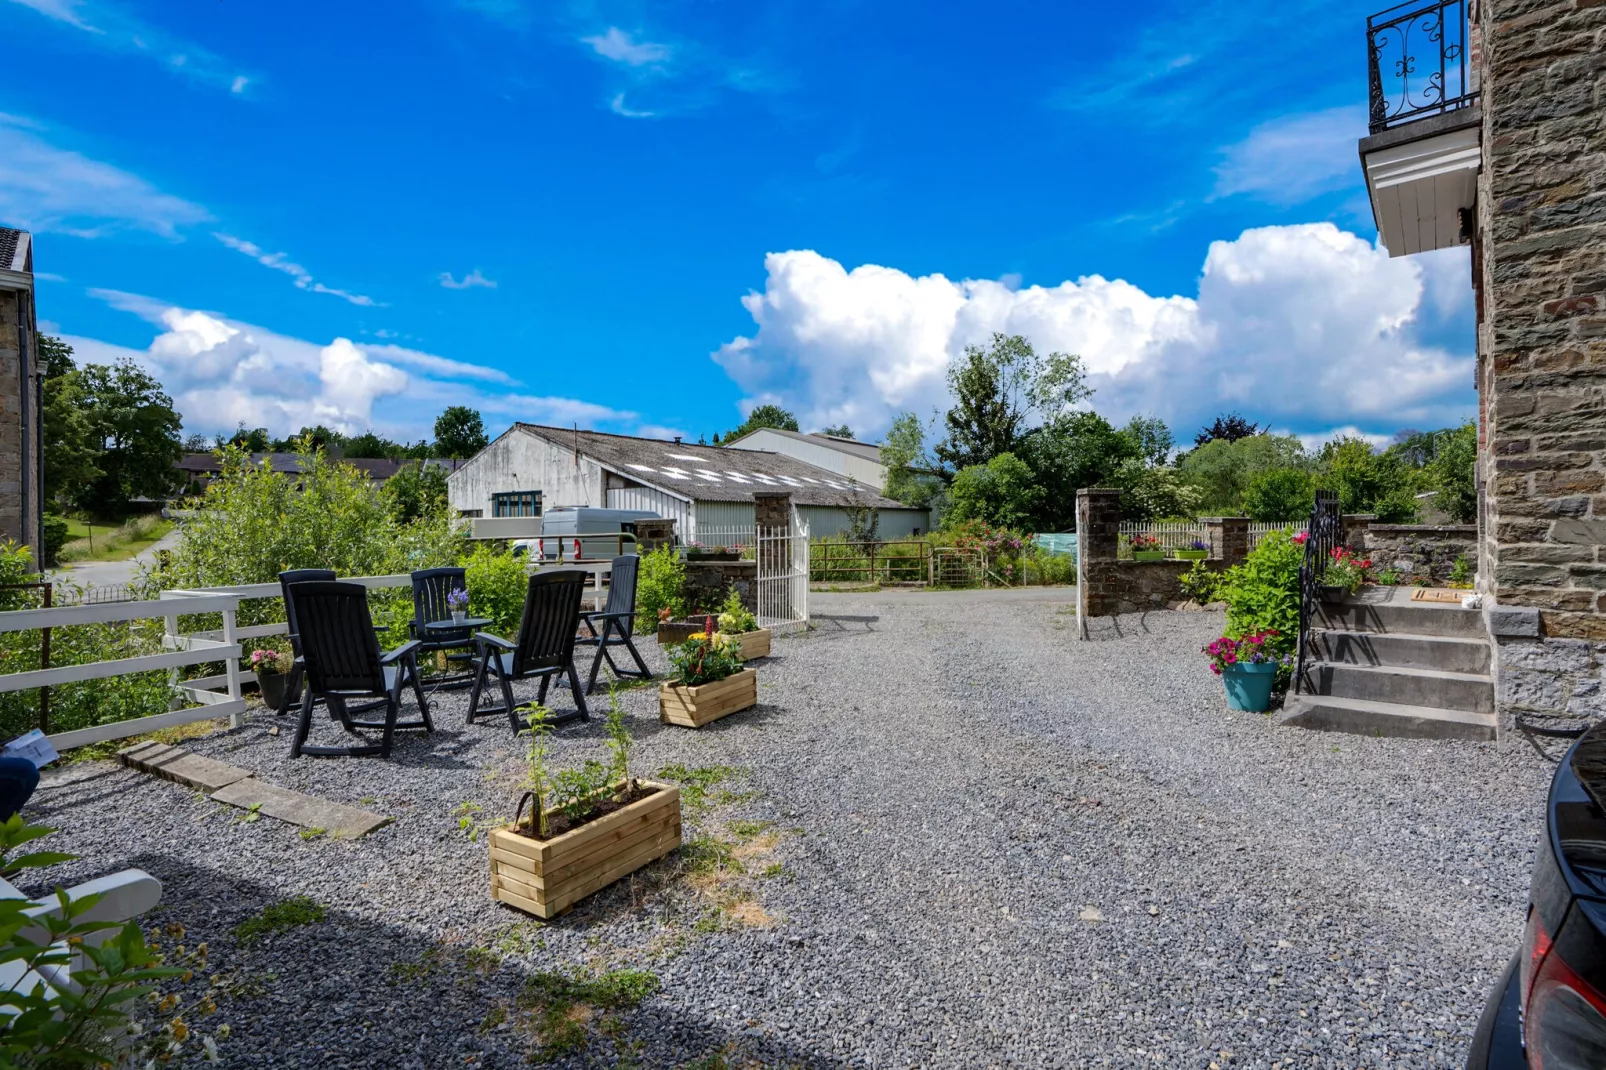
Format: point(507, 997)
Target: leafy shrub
point(1461, 571)
point(53, 533)
point(1262, 594)
point(734, 617)
point(704, 659)
point(660, 584)
point(497, 583)
point(1280, 494)
point(1201, 583)
point(1041, 568)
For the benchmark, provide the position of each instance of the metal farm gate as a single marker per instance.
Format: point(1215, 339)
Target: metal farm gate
point(783, 576)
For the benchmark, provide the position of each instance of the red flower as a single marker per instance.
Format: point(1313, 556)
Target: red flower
point(1301, 537)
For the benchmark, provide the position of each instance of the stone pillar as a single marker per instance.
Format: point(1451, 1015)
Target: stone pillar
point(1098, 523)
point(772, 515)
point(1356, 526)
point(772, 509)
point(1229, 539)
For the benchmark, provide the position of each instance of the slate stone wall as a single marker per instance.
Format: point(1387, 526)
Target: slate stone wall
point(1422, 553)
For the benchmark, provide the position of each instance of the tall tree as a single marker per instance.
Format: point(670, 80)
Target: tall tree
point(323, 438)
point(764, 416)
point(1453, 471)
point(910, 478)
point(249, 439)
point(70, 446)
point(369, 444)
point(998, 390)
point(459, 432)
point(1078, 450)
point(1152, 438)
point(136, 422)
point(1229, 427)
point(839, 431)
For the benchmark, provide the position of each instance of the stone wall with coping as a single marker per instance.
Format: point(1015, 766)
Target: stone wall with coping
point(1424, 553)
point(19, 474)
point(1111, 586)
point(1539, 273)
point(708, 581)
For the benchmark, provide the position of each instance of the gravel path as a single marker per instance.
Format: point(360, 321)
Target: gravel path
point(992, 846)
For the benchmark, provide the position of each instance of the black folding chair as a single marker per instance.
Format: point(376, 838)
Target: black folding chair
point(430, 588)
point(287, 579)
point(544, 648)
point(342, 659)
point(617, 622)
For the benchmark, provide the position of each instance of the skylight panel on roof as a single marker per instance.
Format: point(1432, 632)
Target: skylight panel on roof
point(765, 479)
point(806, 479)
point(684, 456)
point(675, 475)
point(640, 467)
point(789, 481)
point(834, 483)
point(737, 477)
point(711, 477)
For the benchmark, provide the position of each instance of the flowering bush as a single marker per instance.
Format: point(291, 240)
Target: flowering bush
point(1345, 570)
point(704, 658)
point(1255, 649)
point(1262, 594)
point(269, 662)
point(457, 600)
point(1147, 543)
point(1301, 538)
point(1199, 544)
point(734, 617)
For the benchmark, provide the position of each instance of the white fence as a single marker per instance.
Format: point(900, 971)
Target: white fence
point(1180, 534)
point(782, 577)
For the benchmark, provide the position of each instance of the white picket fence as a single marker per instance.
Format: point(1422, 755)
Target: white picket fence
point(1179, 534)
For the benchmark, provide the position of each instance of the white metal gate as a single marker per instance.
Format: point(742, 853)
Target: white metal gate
point(783, 576)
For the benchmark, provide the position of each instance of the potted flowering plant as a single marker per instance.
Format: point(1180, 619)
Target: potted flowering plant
point(457, 602)
point(738, 624)
point(1147, 548)
point(1248, 668)
point(707, 682)
point(696, 551)
point(1197, 550)
point(272, 669)
point(1344, 574)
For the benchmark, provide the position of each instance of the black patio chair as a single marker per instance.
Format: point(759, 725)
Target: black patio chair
point(342, 659)
point(287, 579)
point(430, 588)
point(544, 648)
point(617, 623)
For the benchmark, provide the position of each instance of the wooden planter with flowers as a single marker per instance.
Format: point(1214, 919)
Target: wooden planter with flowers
point(738, 624)
point(708, 681)
point(586, 827)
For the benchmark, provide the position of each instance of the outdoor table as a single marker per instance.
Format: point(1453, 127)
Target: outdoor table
point(468, 626)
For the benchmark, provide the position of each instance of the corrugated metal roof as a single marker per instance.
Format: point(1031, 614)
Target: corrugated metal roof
point(867, 450)
point(10, 241)
point(713, 474)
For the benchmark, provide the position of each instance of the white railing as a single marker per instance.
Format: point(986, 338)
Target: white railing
point(732, 538)
point(1260, 527)
point(224, 647)
point(782, 577)
point(1172, 534)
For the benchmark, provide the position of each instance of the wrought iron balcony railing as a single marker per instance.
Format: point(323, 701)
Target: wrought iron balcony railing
point(1417, 53)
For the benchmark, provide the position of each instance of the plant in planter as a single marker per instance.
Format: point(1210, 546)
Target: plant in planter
point(586, 828)
point(708, 681)
point(737, 623)
point(272, 669)
point(1345, 571)
point(1197, 550)
point(457, 603)
point(1147, 548)
point(1248, 668)
point(696, 551)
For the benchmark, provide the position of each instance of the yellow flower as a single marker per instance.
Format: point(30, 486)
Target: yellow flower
point(180, 1030)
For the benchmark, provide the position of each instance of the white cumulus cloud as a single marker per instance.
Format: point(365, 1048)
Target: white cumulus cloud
point(621, 47)
point(1303, 325)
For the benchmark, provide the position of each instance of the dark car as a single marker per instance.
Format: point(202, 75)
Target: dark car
point(1548, 1010)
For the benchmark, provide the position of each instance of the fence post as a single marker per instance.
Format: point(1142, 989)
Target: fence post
point(170, 638)
point(233, 662)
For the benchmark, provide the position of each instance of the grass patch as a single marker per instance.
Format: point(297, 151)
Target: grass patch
point(277, 917)
point(101, 542)
point(312, 833)
point(107, 749)
point(698, 784)
point(565, 1005)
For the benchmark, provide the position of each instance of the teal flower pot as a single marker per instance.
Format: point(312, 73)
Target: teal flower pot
point(1249, 686)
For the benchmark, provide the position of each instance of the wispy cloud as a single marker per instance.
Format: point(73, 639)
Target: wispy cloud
point(1293, 158)
point(621, 47)
point(619, 107)
point(444, 367)
point(47, 188)
point(469, 281)
point(282, 262)
point(116, 29)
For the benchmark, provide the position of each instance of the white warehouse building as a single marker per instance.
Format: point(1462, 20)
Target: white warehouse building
point(529, 469)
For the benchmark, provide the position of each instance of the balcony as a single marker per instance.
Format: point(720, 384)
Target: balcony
point(1423, 153)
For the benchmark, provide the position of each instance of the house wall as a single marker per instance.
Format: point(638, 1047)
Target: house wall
point(1540, 269)
point(826, 520)
point(520, 461)
point(19, 465)
point(867, 472)
point(665, 505)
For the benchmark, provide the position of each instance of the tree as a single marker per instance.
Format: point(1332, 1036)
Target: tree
point(1002, 492)
point(249, 439)
point(1153, 491)
point(459, 432)
point(997, 390)
point(764, 416)
point(319, 436)
point(70, 448)
point(1369, 482)
point(195, 442)
point(417, 490)
point(910, 478)
point(1229, 427)
point(136, 422)
point(1452, 472)
point(839, 431)
point(1152, 438)
point(1222, 469)
point(369, 444)
point(1279, 494)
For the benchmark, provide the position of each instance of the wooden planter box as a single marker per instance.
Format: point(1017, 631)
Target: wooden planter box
point(675, 632)
point(753, 644)
point(696, 706)
point(547, 877)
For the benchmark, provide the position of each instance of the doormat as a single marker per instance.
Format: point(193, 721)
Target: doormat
point(1438, 594)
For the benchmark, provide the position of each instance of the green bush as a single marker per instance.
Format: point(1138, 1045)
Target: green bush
point(1280, 494)
point(660, 584)
point(1201, 583)
point(1262, 594)
point(497, 583)
point(53, 533)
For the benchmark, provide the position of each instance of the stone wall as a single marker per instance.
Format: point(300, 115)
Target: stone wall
point(708, 581)
point(19, 486)
point(1539, 269)
point(1424, 553)
point(1109, 586)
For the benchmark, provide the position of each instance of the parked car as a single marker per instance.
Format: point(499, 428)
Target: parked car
point(1548, 1009)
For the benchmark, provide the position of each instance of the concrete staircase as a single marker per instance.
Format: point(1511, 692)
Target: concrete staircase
point(1387, 666)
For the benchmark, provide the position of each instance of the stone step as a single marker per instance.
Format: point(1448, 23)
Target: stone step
point(1327, 713)
point(1450, 653)
point(1413, 618)
point(1411, 687)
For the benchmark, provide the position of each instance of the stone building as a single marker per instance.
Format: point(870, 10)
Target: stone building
point(1488, 122)
point(20, 440)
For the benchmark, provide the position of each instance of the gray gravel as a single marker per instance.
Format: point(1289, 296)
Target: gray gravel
point(1001, 847)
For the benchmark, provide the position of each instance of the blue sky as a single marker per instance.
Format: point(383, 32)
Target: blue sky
point(646, 217)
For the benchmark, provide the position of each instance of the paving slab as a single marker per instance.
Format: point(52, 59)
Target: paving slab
point(337, 819)
point(178, 764)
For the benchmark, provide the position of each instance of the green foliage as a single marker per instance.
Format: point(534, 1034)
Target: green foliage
point(1223, 468)
point(135, 421)
point(417, 492)
point(53, 532)
point(253, 440)
point(997, 389)
point(1369, 482)
point(1151, 437)
point(1346, 570)
point(703, 659)
point(1262, 594)
point(1001, 492)
point(1201, 583)
point(734, 616)
point(459, 432)
point(536, 749)
point(617, 728)
point(497, 584)
point(1452, 472)
point(277, 917)
point(1153, 491)
point(1279, 494)
point(563, 1004)
point(764, 416)
point(698, 784)
point(579, 791)
point(660, 585)
point(910, 472)
point(839, 431)
point(69, 446)
point(1460, 571)
point(1076, 450)
point(1228, 427)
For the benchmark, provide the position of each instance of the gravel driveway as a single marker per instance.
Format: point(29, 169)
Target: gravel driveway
point(951, 836)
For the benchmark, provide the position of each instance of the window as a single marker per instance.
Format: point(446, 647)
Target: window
point(475, 514)
point(516, 503)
